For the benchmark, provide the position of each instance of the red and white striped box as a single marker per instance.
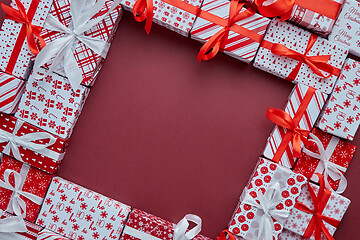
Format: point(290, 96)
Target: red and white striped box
point(297, 40)
point(46, 234)
point(51, 104)
point(237, 45)
point(307, 121)
point(11, 90)
point(15, 54)
point(32, 231)
point(341, 115)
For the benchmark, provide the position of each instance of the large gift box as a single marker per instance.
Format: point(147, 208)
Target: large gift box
point(266, 202)
point(293, 124)
point(18, 42)
point(29, 183)
point(78, 213)
point(299, 56)
point(31, 144)
point(51, 104)
point(341, 115)
point(11, 90)
point(238, 35)
point(326, 155)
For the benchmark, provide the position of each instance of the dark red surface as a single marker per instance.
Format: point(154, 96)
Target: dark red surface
point(166, 134)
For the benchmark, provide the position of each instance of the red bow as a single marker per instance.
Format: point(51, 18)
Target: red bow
point(222, 235)
point(143, 9)
point(280, 8)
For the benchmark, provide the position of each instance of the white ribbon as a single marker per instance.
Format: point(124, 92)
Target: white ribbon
point(330, 169)
point(60, 51)
point(267, 203)
point(11, 224)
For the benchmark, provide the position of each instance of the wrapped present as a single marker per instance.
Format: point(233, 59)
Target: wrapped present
point(19, 34)
point(230, 27)
point(30, 144)
point(266, 202)
point(49, 235)
point(11, 90)
point(329, 156)
point(29, 184)
point(78, 213)
point(289, 235)
point(296, 55)
point(341, 114)
point(293, 125)
point(317, 212)
point(79, 56)
point(51, 104)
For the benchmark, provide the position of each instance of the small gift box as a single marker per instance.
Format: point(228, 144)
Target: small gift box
point(266, 202)
point(296, 55)
point(78, 213)
point(18, 41)
point(79, 56)
point(341, 114)
point(11, 89)
point(49, 235)
point(326, 155)
point(293, 124)
point(29, 183)
point(51, 104)
point(321, 221)
point(230, 27)
point(30, 144)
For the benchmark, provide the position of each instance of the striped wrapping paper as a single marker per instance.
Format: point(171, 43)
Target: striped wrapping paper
point(237, 46)
point(307, 122)
point(11, 89)
point(49, 235)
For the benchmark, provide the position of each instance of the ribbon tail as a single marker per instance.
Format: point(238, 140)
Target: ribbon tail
point(99, 46)
point(72, 70)
point(214, 43)
point(12, 224)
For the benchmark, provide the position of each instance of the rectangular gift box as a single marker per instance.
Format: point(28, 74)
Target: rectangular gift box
point(284, 43)
point(51, 104)
point(11, 90)
point(78, 213)
point(30, 181)
point(337, 152)
point(289, 235)
point(46, 158)
point(240, 45)
point(341, 114)
point(246, 220)
point(15, 54)
point(304, 101)
point(46, 234)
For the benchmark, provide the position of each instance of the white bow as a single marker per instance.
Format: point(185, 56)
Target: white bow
point(60, 51)
point(330, 169)
point(11, 224)
point(267, 203)
point(182, 226)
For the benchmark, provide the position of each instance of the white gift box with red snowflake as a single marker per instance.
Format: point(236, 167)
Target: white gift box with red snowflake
point(78, 213)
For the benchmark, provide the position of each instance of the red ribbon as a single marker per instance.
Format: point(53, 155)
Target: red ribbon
point(222, 235)
point(280, 8)
point(143, 9)
point(317, 221)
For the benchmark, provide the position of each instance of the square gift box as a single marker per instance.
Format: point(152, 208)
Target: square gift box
point(326, 151)
point(11, 90)
point(15, 54)
point(341, 114)
point(78, 213)
point(299, 56)
point(51, 104)
point(243, 40)
point(304, 105)
point(30, 183)
point(279, 188)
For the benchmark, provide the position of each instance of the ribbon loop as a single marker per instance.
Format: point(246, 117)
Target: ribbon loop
point(180, 230)
point(11, 224)
point(275, 8)
point(222, 235)
point(143, 9)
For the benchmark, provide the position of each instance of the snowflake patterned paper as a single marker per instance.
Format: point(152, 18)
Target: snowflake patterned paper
point(51, 104)
point(11, 90)
point(78, 213)
point(289, 235)
point(245, 221)
point(297, 39)
point(341, 115)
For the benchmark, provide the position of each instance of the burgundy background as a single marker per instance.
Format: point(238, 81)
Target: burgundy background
point(168, 135)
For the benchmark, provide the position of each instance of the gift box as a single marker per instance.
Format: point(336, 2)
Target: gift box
point(289, 235)
point(30, 183)
point(11, 90)
point(302, 110)
point(331, 208)
point(31, 145)
point(327, 155)
point(17, 48)
point(244, 35)
point(341, 113)
point(78, 213)
point(49, 235)
point(51, 104)
point(296, 55)
point(274, 187)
